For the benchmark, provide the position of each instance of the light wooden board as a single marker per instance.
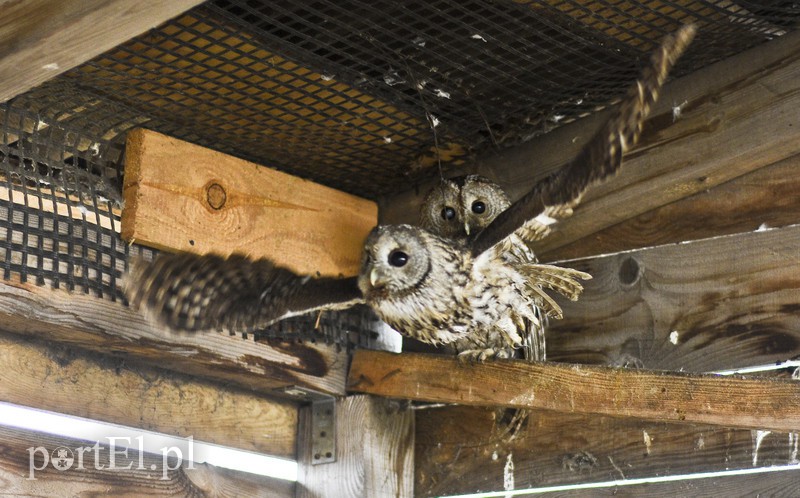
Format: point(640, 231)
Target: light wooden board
point(707, 305)
point(43, 38)
point(772, 404)
point(463, 449)
point(183, 197)
point(374, 451)
point(767, 196)
point(97, 479)
point(110, 328)
point(71, 382)
point(739, 115)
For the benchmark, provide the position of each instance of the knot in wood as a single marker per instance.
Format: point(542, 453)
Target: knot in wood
point(629, 271)
point(216, 196)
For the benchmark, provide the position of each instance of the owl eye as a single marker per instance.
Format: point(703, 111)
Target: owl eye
point(448, 213)
point(478, 207)
point(398, 258)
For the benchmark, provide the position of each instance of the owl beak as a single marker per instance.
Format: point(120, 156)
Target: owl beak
point(374, 277)
point(466, 228)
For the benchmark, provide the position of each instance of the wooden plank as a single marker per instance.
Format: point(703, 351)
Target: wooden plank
point(738, 117)
point(462, 449)
point(772, 404)
point(206, 201)
point(702, 306)
point(374, 451)
point(775, 484)
point(40, 39)
point(110, 328)
point(97, 478)
point(67, 381)
point(764, 197)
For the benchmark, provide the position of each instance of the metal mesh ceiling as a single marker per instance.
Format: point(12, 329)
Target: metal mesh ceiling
point(344, 92)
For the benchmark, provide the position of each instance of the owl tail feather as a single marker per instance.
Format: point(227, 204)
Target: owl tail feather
point(565, 281)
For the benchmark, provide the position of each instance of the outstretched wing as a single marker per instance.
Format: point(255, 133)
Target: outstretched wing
point(557, 194)
point(189, 292)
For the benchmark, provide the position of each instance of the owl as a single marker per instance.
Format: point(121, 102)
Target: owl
point(464, 205)
point(422, 284)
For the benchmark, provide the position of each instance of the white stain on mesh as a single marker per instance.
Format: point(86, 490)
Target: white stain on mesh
point(648, 441)
point(673, 337)
point(478, 37)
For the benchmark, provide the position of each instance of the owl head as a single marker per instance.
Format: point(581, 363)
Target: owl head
point(461, 206)
point(396, 258)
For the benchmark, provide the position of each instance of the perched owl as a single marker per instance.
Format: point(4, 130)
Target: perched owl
point(422, 284)
point(464, 205)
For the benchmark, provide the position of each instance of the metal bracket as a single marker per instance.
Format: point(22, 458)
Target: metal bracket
point(323, 423)
point(323, 431)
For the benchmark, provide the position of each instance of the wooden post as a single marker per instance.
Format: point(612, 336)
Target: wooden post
point(374, 451)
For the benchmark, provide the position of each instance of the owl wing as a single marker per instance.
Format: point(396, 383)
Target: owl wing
point(190, 292)
point(556, 195)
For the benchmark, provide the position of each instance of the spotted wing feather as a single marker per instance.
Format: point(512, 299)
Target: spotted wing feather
point(601, 157)
point(189, 292)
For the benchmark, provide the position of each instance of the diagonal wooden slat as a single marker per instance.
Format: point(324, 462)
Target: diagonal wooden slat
point(40, 39)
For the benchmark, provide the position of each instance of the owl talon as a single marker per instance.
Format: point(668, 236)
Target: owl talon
point(481, 355)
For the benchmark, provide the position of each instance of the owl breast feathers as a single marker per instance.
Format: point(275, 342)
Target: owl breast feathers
point(429, 288)
point(426, 286)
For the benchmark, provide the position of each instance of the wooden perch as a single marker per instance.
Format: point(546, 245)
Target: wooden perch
point(650, 395)
point(183, 197)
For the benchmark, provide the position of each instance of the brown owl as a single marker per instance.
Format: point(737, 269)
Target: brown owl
point(464, 205)
point(423, 285)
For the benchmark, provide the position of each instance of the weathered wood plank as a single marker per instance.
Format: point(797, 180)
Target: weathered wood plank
point(206, 201)
point(71, 382)
point(97, 478)
point(40, 39)
point(774, 484)
point(739, 116)
point(463, 449)
point(702, 306)
point(766, 196)
point(110, 328)
point(772, 404)
point(374, 451)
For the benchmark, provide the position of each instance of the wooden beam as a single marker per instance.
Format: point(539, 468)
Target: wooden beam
point(703, 306)
point(40, 39)
point(783, 483)
point(463, 449)
point(105, 327)
point(763, 197)
point(145, 477)
point(374, 451)
point(738, 116)
point(72, 382)
point(647, 395)
point(206, 201)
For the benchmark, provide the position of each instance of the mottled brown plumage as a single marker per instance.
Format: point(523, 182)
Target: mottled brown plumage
point(423, 285)
point(464, 205)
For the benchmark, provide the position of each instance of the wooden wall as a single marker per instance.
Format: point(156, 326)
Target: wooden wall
point(693, 249)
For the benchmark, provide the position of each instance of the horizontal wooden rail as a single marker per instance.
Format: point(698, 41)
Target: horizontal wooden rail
point(772, 404)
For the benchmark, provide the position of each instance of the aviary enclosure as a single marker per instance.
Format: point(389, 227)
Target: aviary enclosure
point(289, 130)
